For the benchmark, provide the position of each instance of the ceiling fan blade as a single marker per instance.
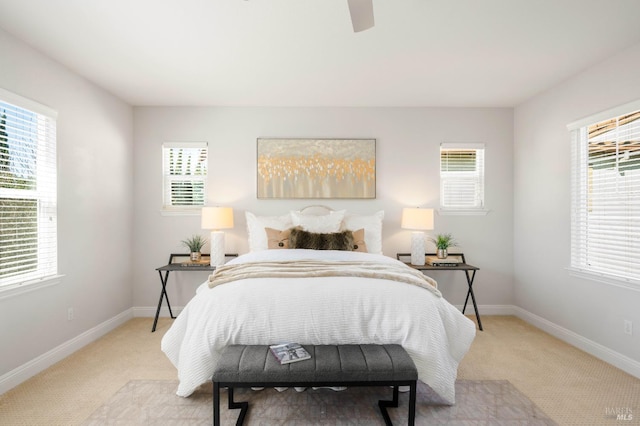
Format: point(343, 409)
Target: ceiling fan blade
point(361, 14)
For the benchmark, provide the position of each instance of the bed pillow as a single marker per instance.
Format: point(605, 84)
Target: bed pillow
point(325, 223)
point(372, 225)
point(277, 239)
point(301, 239)
point(359, 243)
point(256, 228)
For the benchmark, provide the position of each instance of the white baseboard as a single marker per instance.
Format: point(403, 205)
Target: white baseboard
point(149, 312)
point(18, 375)
point(599, 351)
point(607, 355)
point(488, 310)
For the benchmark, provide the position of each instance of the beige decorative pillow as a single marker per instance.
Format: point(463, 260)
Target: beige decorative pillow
point(300, 239)
point(359, 241)
point(277, 239)
point(256, 228)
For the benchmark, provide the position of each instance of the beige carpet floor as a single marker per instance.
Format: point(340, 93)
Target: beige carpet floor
point(479, 402)
point(568, 385)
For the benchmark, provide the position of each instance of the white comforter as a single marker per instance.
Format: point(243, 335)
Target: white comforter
point(336, 310)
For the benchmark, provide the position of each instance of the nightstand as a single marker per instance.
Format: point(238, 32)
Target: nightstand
point(469, 270)
point(180, 262)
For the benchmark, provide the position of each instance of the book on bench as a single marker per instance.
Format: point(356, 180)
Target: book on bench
point(287, 353)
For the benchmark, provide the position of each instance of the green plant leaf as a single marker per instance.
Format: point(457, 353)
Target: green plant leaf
point(444, 241)
point(195, 243)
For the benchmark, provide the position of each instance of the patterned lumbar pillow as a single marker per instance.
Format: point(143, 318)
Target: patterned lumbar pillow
point(301, 239)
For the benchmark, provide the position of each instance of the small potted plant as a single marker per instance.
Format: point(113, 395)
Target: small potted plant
point(195, 244)
point(443, 242)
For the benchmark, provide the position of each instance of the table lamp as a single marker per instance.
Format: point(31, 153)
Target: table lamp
point(215, 219)
point(418, 220)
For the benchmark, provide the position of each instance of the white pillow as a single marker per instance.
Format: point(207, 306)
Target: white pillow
point(257, 224)
point(326, 223)
point(372, 229)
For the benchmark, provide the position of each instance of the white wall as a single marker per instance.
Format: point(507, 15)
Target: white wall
point(407, 175)
point(543, 286)
point(522, 245)
point(95, 175)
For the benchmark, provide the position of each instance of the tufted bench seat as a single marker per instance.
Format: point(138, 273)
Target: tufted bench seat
point(243, 366)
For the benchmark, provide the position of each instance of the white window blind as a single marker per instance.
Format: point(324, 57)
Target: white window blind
point(462, 176)
point(605, 189)
point(28, 198)
point(184, 166)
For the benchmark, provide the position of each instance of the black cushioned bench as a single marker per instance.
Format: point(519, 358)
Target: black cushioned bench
point(243, 366)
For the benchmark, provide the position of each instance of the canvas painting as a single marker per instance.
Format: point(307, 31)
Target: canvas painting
point(316, 168)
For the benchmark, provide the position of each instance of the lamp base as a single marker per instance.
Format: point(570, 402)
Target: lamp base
point(417, 248)
point(217, 248)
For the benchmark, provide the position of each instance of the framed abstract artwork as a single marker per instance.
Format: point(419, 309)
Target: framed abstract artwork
point(316, 168)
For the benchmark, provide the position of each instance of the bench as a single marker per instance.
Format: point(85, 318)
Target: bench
point(245, 366)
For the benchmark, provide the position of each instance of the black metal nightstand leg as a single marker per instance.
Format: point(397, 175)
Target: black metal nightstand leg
point(166, 296)
point(163, 293)
point(470, 277)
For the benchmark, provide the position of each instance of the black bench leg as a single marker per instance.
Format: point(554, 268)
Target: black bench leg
point(244, 406)
point(412, 405)
point(411, 420)
point(216, 404)
point(383, 404)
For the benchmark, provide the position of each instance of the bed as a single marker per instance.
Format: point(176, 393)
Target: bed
point(321, 297)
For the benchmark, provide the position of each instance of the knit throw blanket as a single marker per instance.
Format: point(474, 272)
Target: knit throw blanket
point(314, 268)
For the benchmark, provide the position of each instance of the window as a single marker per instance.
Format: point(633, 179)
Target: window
point(605, 189)
point(184, 169)
point(462, 177)
point(28, 199)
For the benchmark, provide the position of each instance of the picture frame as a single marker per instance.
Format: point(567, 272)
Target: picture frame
point(316, 168)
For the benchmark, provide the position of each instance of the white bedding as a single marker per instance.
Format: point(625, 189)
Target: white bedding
point(335, 310)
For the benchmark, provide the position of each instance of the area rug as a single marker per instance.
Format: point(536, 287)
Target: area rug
point(154, 402)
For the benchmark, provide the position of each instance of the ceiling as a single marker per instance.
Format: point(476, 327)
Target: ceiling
point(474, 53)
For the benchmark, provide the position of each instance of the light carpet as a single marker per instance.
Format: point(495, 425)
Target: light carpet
point(479, 402)
point(572, 387)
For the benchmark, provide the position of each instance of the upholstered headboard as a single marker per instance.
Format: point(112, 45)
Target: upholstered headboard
point(316, 210)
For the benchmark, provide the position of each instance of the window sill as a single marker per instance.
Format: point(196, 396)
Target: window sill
point(463, 212)
point(11, 290)
point(190, 212)
point(605, 279)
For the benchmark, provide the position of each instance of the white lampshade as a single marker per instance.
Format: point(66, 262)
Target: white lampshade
point(417, 219)
point(217, 218)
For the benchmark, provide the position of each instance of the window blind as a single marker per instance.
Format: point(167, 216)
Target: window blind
point(461, 176)
point(605, 189)
point(28, 198)
point(184, 174)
